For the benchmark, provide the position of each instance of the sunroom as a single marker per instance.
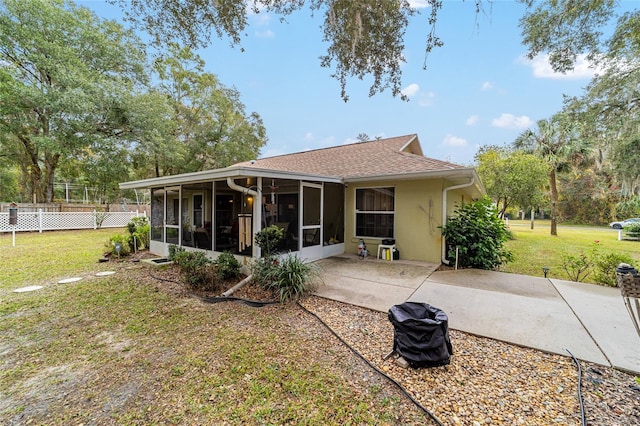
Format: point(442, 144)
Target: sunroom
point(221, 210)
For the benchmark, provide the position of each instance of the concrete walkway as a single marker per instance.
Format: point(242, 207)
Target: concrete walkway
point(551, 315)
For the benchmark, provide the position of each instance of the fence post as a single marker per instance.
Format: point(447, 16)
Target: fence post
point(95, 221)
point(40, 220)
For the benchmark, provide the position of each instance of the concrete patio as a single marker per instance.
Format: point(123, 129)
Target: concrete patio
point(551, 315)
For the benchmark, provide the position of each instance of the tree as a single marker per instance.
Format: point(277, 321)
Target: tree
point(555, 141)
point(566, 29)
point(364, 37)
point(512, 177)
point(198, 123)
point(66, 79)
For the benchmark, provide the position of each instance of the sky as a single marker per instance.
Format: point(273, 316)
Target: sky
point(478, 89)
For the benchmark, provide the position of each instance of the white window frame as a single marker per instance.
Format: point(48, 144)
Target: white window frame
point(373, 212)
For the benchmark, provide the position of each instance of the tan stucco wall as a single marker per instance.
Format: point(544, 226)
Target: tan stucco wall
point(418, 214)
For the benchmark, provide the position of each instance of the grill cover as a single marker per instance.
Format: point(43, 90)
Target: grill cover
point(421, 334)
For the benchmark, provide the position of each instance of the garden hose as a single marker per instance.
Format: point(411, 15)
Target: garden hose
point(582, 419)
point(217, 299)
point(382, 373)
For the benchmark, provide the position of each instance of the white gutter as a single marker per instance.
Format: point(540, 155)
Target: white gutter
point(233, 185)
point(444, 214)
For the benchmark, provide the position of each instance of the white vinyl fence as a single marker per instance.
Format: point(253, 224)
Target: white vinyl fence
point(50, 221)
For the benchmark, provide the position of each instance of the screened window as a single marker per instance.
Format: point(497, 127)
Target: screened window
point(375, 212)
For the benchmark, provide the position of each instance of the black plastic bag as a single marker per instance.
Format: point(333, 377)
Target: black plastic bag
point(421, 334)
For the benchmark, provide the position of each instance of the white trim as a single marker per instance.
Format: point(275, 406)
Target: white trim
point(356, 211)
point(221, 174)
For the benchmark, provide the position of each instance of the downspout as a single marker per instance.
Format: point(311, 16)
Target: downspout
point(233, 185)
point(444, 214)
point(247, 191)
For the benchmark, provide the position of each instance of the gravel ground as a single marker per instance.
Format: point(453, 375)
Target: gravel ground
point(487, 381)
point(491, 382)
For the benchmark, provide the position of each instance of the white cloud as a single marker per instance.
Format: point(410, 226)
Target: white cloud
point(265, 34)
point(308, 137)
point(411, 90)
point(419, 4)
point(542, 68)
point(426, 99)
point(487, 85)
point(472, 120)
point(451, 140)
point(510, 121)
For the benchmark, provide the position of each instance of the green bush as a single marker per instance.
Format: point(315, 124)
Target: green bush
point(633, 231)
point(577, 266)
point(139, 232)
point(228, 266)
point(606, 265)
point(479, 234)
point(269, 238)
point(196, 269)
point(290, 278)
point(125, 249)
point(173, 250)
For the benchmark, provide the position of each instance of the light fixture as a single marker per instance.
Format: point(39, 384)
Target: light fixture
point(545, 270)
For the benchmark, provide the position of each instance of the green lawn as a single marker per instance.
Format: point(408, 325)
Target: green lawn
point(44, 257)
point(129, 349)
point(536, 248)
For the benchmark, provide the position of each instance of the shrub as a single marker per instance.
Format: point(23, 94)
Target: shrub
point(577, 266)
point(139, 232)
point(173, 250)
point(291, 278)
point(479, 234)
point(196, 269)
point(228, 266)
point(123, 240)
point(606, 265)
point(633, 231)
point(269, 238)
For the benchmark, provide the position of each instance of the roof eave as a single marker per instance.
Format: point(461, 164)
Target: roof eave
point(466, 172)
point(233, 171)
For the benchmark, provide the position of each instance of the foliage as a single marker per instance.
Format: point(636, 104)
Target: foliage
point(363, 38)
point(512, 177)
point(633, 231)
point(555, 141)
point(174, 251)
point(565, 29)
point(123, 240)
point(196, 269)
point(629, 207)
point(291, 278)
point(140, 229)
point(577, 265)
point(66, 79)
point(268, 239)
point(228, 266)
point(202, 125)
point(585, 197)
point(605, 267)
point(479, 235)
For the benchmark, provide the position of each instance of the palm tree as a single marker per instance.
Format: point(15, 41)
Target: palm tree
point(555, 141)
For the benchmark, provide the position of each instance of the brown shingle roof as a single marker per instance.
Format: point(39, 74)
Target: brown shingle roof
point(389, 156)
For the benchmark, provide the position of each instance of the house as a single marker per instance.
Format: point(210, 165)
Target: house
point(326, 201)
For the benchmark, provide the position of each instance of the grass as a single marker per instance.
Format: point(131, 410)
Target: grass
point(122, 350)
point(536, 248)
point(42, 257)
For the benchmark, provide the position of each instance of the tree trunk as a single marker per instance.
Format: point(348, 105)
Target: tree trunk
point(50, 166)
point(554, 200)
point(533, 214)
